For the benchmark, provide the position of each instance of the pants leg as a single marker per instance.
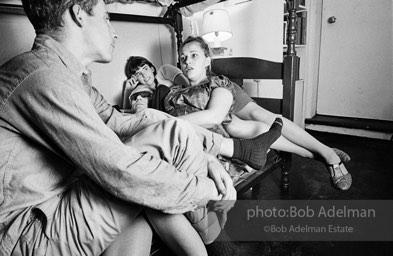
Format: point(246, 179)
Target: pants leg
point(176, 143)
point(86, 221)
point(211, 141)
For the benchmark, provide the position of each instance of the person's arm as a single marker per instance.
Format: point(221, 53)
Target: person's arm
point(72, 128)
point(181, 79)
point(126, 93)
point(219, 104)
point(128, 87)
point(170, 75)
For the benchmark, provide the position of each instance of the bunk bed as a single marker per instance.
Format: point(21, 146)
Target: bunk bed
point(239, 69)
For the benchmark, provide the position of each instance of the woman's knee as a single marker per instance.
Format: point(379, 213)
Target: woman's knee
point(135, 239)
point(232, 129)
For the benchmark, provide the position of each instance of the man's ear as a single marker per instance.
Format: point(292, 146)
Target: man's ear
point(76, 14)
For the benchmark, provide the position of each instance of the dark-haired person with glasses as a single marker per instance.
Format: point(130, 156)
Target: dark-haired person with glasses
point(140, 71)
point(139, 99)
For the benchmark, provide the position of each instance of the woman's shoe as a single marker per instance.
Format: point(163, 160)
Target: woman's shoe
point(344, 157)
point(342, 182)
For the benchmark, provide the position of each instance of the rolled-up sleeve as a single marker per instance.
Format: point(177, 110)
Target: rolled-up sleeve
point(81, 127)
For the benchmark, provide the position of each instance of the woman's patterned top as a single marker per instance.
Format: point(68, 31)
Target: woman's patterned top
point(181, 101)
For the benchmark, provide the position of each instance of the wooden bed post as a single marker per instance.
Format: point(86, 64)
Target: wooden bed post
point(175, 16)
point(291, 68)
point(290, 61)
point(178, 27)
point(292, 6)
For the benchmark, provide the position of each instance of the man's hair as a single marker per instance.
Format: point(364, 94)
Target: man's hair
point(136, 62)
point(46, 16)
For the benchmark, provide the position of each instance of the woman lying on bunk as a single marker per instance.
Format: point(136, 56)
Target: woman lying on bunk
point(212, 103)
point(195, 63)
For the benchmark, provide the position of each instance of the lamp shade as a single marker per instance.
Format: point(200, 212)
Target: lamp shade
point(216, 25)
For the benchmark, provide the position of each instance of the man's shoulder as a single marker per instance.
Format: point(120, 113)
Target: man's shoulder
point(21, 61)
point(31, 70)
point(28, 63)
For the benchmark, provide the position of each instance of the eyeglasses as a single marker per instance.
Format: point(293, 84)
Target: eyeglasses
point(142, 94)
point(145, 68)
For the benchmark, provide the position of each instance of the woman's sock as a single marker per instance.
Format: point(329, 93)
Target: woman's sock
point(253, 151)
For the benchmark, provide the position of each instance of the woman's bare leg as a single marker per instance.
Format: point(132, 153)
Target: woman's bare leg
point(246, 129)
point(134, 240)
point(290, 130)
point(177, 233)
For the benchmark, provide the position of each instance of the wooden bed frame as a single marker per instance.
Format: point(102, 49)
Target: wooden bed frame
point(238, 69)
point(261, 69)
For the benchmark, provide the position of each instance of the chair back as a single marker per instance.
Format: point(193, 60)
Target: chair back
point(239, 68)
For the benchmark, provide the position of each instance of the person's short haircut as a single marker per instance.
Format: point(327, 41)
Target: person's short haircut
point(46, 16)
point(136, 62)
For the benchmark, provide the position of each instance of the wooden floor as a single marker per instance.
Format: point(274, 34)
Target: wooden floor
point(372, 172)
